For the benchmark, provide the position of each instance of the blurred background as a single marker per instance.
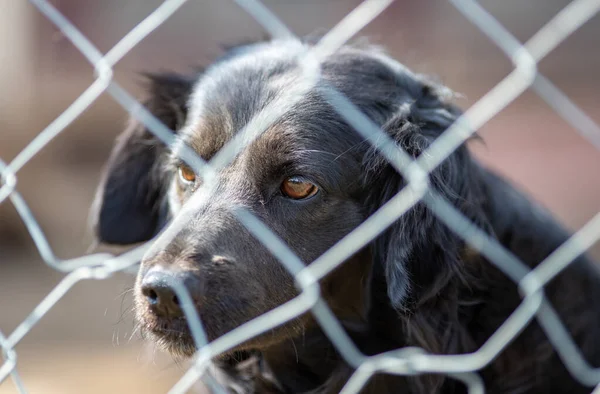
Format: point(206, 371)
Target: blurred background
point(82, 345)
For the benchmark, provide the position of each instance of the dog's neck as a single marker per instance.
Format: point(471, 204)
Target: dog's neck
point(310, 364)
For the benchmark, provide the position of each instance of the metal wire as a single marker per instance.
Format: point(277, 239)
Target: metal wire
point(407, 361)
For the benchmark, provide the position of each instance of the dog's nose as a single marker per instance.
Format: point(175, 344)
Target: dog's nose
point(157, 286)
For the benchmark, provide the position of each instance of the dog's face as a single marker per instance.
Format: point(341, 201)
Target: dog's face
point(309, 177)
point(297, 178)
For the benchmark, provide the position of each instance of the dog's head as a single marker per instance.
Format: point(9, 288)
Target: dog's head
point(310, 177)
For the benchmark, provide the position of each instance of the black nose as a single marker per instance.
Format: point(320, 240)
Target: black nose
point(157, 286)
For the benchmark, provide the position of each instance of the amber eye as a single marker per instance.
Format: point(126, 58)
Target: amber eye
point(298, 188)
point(186, 175)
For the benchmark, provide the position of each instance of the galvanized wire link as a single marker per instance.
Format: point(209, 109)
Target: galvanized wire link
point(407, 361)
point(9, 357)
point(8, 181)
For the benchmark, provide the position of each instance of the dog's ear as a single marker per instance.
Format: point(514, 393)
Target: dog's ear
point(419, 257)
point(129, 206)
point(418, 253)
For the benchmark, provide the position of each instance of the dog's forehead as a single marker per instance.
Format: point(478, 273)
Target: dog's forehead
point(265, 89)
point(244, 91)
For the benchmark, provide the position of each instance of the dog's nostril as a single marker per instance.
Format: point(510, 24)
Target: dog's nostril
point(157, 288)
point(152, 296)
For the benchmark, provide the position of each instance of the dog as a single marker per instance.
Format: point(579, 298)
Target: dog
point(312, 179)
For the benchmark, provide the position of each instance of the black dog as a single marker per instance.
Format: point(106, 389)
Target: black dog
point(312, 179)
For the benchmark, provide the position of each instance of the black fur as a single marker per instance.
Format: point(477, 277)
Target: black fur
point(132, 208)
point(418, 284)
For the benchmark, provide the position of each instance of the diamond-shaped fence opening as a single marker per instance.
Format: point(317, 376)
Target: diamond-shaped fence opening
point(524, 75)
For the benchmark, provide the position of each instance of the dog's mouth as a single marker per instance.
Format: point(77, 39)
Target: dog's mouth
point(172, 335)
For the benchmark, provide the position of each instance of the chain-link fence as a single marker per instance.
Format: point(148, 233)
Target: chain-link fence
point(525, 75)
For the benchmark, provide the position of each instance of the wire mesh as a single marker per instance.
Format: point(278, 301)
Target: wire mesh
point(408, 361)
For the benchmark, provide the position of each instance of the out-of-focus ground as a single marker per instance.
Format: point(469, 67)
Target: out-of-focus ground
point(81, 345)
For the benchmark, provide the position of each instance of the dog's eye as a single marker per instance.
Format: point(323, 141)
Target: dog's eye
point(298, 188)
point(186, 175)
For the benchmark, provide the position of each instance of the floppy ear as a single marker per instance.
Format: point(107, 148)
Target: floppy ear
point(419, 254)
point(129, 206)
point(419, 257)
